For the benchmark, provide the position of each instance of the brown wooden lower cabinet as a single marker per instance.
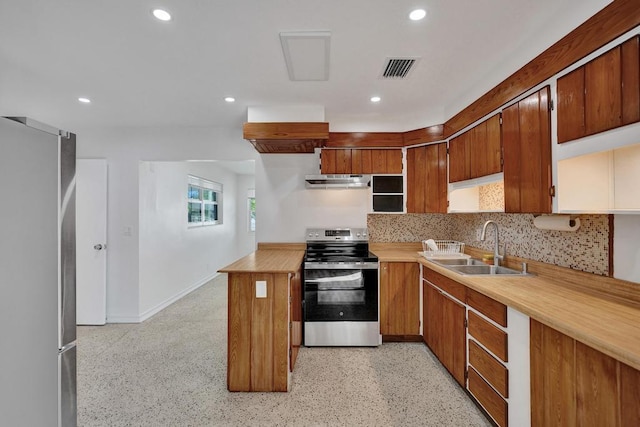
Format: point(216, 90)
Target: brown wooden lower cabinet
point(444, 330)
point(574, 384)
point(492, 337)
point(490, 400)
point(399, 300)
point(490, 368)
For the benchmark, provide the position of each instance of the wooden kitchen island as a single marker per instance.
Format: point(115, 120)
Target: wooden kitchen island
point(265, 319)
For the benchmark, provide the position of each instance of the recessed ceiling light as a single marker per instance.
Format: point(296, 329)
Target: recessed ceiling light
point(230, 99)
point(375, 99)
point(161, 14)
point(417, 14)
point(84, 100)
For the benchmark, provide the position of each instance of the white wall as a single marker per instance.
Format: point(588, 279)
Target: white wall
point(175, 259)
point(285, 208)
point(124, 148)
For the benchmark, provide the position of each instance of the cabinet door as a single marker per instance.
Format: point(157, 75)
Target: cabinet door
point(328, 161)
point(366, 161)
point(343, 161)
point(386, 161)
point(459, 158)
point(400, 298)
point(631, 81)
point(432, 318)
point(571, 106)
point(436, 178)
point(356, 161)
point(454, 343)
point(485, 148)
point(415, 181)
point(552, 377)
point(394, 161)
point(427, 179)
point(527, 154)
point(378, 161)
point(444, 330)
point(574, 384)
point(603, 95)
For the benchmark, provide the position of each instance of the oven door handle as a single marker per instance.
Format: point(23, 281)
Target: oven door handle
point(363, 266)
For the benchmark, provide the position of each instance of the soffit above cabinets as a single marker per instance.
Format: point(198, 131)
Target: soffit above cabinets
point(304, 137)
point(286, 138)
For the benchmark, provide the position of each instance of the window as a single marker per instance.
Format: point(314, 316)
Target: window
point(204, 202)
point(251, 209)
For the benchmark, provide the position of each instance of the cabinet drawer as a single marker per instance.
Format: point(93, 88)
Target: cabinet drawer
point(488, 398)
point(491, 308)
point(490, 336)
point(490, 368)
point(451, 287)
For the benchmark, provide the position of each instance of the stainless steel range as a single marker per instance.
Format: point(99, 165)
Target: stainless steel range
point(341, 290)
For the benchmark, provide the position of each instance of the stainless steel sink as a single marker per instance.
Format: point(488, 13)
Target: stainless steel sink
point(476, 270)
point(475, 267)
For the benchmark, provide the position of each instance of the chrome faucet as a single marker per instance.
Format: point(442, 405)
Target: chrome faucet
point(496, 252)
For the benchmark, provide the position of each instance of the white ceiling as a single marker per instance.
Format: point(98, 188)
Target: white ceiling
point(142, 72)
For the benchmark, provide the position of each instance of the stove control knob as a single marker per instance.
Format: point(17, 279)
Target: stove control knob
point(341, 314)
point(357, 234)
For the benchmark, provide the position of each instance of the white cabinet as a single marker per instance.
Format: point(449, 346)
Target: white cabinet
point(600, 182)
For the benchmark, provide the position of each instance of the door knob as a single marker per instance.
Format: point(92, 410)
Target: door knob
point(99, 247)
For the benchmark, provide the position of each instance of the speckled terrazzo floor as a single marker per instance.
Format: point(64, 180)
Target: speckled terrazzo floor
point(171, 371)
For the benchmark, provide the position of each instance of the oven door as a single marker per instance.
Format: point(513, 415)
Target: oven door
point(347, 293)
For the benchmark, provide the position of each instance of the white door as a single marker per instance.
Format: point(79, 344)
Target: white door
point(91, 241)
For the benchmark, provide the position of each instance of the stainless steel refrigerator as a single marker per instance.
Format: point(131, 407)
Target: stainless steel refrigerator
point(37, 275)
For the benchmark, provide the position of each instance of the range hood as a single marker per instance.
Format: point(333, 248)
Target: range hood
point(337, 181)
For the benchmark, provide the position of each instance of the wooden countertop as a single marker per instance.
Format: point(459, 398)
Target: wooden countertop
point(267, 261)
point(396, 252)
point(610, 325)
point(607, 325)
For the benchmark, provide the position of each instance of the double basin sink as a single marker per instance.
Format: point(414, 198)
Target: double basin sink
point(475, 267)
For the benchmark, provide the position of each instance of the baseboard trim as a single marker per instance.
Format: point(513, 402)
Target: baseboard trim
point(166, 303)
point(123, 319)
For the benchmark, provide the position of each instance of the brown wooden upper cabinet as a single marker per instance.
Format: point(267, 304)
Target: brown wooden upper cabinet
point(477, 152)
point(526, 137)
point(356, 161)
point(427, 179)
point(601, 95)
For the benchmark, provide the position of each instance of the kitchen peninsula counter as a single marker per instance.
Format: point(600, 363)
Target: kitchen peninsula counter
point(267, 261)
point(265, 319)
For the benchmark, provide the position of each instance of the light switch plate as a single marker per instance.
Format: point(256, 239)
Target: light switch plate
point(261, 288)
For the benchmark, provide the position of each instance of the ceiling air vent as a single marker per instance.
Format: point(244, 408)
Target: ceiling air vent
point(398, 68)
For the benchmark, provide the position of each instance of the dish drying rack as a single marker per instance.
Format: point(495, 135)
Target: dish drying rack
point(446, 249)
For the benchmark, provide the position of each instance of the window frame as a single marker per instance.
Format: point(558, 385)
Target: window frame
point(251, 195)
point(214, 203)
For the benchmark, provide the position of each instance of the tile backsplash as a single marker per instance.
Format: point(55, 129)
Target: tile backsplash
point(586, 249)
